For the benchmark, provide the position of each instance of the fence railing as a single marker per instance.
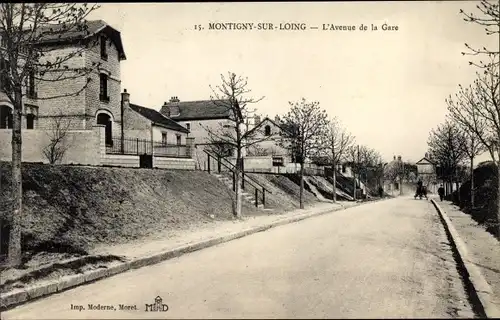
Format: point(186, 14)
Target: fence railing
point(287, 170)
point(135, 146)
point(221, 162)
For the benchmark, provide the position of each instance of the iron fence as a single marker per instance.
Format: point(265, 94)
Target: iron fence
point(131, 146)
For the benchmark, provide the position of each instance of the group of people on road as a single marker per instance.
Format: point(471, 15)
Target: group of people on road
point(422, 191)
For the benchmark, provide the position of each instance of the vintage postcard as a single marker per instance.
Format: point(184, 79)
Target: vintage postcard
point(250, 160)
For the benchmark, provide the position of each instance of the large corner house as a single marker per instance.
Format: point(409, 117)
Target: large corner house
point(105, 128)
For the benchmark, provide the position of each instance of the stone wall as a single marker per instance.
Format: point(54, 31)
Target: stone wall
point(84, 146)
point(120, 160)
point(173, 163)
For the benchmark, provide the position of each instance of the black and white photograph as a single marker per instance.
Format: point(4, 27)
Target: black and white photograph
point(250, 160)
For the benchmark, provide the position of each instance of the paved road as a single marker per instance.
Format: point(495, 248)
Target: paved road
point(386, 259)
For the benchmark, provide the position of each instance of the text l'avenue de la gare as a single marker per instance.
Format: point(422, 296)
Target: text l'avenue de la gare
point(293, 26)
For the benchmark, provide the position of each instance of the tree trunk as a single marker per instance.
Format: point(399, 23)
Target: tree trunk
point(472, 182)
point(301, 193)
point(237, 212)
point(14, 254)
point(238, 177)
point(334, 184)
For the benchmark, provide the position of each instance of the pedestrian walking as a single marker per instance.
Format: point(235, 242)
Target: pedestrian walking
point(441, 192)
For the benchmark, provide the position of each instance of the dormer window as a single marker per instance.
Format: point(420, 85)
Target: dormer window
point(104, 53)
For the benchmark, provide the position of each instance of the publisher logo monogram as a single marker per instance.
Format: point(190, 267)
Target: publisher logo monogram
point(158, 305)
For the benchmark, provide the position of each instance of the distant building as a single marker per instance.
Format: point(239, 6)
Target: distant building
point(426, 172)
point(199, 117)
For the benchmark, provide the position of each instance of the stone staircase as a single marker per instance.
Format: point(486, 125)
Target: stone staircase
point(248, 195)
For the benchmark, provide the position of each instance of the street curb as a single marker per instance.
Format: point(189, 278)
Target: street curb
point(482, 292)
point(18, 297)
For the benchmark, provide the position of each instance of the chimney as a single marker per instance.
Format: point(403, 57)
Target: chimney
point(165, 110)
point(257, 120)
point(125, 96)
point(173, 108)
point(427, 155)
point(125, 104)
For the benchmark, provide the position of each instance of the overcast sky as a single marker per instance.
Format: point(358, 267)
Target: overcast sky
point(387, 87)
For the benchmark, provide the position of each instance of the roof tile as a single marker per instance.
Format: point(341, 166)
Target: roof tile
point(158, 118)
point(199, 110)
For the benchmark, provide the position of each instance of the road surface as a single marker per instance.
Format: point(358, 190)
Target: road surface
point(380, 260)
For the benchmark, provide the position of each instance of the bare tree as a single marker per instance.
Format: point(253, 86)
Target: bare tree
point(472, 147)
point(353, 159)
point(474, 109)
point(371, 166)
point(232, 95)
point(336, 143)
point(58, 145)
point(445, 146)
point(304, 127)
point(258, 151)
point(365, 162)
point(477, 110)
point(27, 30)
point(487, 85)
point(489, 18)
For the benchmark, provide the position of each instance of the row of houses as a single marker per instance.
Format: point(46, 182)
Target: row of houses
point(105, 127)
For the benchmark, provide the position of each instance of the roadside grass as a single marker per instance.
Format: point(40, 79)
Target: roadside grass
point(68, 209)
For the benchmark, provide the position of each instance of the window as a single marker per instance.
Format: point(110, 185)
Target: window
point(5, 117)
point(103, 93)
point(164, 138)
point(188, 126)
point(4, 77)
point(30, 87)
point(30, 121)
point(267, 130)
point(104, 53)
point(178, 139)
point(278, 161)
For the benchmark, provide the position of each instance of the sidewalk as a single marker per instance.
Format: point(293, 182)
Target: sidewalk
point(162, 242)
point(482, 247)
